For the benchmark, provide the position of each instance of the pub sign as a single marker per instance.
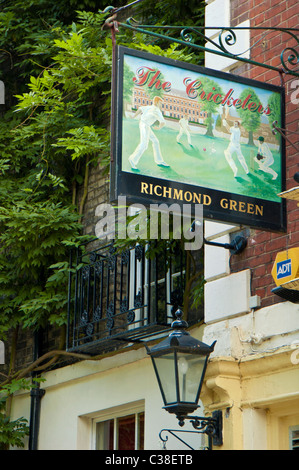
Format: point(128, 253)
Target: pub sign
point(186, 134)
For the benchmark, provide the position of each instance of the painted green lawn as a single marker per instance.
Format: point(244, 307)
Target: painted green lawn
point(203, 164)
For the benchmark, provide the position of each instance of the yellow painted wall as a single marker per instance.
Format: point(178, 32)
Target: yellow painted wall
point(259, 396)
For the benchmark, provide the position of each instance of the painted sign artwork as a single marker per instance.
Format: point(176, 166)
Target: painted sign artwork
point(193, 135)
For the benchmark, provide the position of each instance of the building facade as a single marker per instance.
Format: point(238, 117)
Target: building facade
point(257, 331)
point(253, 373)
point(176, 106)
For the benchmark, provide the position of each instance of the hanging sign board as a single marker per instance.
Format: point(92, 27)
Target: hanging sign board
point(190, 135)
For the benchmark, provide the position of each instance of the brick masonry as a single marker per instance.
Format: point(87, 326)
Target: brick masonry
point(263, 246)
point(98, 193)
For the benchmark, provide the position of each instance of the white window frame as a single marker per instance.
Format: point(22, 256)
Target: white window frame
point(135, 283)
point(114, 414)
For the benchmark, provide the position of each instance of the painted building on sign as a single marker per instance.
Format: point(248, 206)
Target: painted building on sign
point(120, 300)
point(176, 106)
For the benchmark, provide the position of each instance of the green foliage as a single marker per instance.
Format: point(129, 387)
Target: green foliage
point(55, 61)
point(12, 433)
point(172, 13)
point(57, 128)
point(33, 234)
point(85, 140)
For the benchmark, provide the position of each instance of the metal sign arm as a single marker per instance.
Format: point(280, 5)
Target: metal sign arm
point(227, 38)
point(230, 40)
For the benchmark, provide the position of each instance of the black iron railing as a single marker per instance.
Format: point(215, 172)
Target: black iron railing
point(116, 296)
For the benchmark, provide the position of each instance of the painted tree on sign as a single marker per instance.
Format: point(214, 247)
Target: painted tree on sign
point(208, 105)
point(251, 121)
point(275, 116)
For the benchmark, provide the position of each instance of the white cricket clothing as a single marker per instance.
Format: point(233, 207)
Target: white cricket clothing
point(235, 135)
point(264, 150)
point(150, 114)
point(184, 129)
point(268, 160)
point(235, 147)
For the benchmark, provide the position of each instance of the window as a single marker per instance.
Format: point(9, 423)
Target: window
point(121, 431)
point(294, 438)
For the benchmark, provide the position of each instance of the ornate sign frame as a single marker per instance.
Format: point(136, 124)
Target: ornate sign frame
point(196, 156)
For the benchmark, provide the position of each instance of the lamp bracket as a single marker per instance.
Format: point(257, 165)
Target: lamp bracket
point(202, 425)
point(174, 432)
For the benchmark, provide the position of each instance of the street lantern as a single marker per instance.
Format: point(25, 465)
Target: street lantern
point(180, 363)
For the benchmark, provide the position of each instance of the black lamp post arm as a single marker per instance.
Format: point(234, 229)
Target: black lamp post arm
point(210, 426)
point(236, 246)
point(202, 425)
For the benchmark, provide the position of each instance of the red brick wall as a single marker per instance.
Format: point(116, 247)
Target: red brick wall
point(262, 248)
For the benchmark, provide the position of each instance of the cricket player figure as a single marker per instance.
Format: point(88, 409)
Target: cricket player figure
point(265, 158)
point(235, 147)
point(148, 116)
point(184, 129)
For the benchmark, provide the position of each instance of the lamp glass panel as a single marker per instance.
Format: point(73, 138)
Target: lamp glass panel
point(166, 370)
point(190, 370)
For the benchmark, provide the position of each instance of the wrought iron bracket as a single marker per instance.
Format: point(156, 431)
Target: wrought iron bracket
point(282, 132)
point(194, 37)
point(236, 246)
point(212, 427)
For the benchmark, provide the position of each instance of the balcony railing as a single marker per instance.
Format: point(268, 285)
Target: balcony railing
point(122, 296)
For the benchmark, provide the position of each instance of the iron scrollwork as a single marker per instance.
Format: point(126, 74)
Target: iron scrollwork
point(125, 257)
point(138, 300)
point(98, 267)
point(139, 250)
point(130, 316)
point(212, 427)
point(85, 273)
point(89, 329)
point(97, 315)
point(110, 315)
point(84, 318)
point(227, 38)
point(110, 295)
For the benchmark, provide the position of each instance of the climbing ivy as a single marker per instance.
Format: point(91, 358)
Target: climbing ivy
point(55, 61)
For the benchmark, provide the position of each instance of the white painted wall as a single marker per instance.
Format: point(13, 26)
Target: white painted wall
point(217, 14)
point(77, 394)
point(259, 331)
